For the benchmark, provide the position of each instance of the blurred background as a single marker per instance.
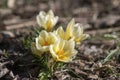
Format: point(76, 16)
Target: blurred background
point(95, 14)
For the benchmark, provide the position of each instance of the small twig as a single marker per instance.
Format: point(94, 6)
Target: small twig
point(21, 25)
point(101, 31)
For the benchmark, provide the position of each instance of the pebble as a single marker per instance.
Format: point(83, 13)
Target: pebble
point(7, 34)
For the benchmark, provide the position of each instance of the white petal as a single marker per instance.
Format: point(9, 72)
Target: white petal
point(60, 32)
point(53, 52)
point(50, 12)
point(38, 46)
point(43, 34)
point(42, 14)
point(55, 20)
point(70, 26)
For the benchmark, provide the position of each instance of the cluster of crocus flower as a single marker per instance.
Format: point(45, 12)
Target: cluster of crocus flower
point(59, 43)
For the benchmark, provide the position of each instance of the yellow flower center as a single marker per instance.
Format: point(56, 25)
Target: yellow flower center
point(49, 25)
point(61, 52)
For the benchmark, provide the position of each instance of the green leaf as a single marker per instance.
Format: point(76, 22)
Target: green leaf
point(111, 54)
point(43, 76)
point(36, 31)
point(110, 36)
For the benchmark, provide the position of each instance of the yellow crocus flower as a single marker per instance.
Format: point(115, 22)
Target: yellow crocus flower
point(73, 30)
point(47, 20)
point(78, 33)
point(63, 50)
point(44, 40)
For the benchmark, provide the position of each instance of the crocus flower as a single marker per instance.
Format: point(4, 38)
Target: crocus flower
point(47, 20)
point(63, 50)
point(78, 33)
point(44, 40)
point(73, 30)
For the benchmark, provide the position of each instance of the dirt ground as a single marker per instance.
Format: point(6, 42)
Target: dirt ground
point(100, 19)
